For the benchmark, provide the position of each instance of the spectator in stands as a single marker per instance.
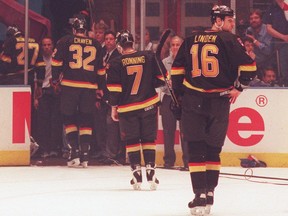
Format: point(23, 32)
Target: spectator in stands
point(47, 104)
point(99, 29)
point(249, 47)
point(165, 52)
point(257, 31)
point(109, 145)
point(115, 148)
point(148, 43)
point(168, 119)
point(241, 28)
point(101, 108)
point(277, 26)
point(268, 79)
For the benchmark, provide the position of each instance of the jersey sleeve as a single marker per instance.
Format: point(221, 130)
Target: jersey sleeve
point(246, 65)
point(57, 59)
point(6, 56)
point(159, 72)
point(101, 70)
point(178, 70)
point(114, 82)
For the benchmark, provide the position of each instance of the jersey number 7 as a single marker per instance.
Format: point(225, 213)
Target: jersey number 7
point(138, 70)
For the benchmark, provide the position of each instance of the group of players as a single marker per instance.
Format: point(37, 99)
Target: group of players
point(209, 72)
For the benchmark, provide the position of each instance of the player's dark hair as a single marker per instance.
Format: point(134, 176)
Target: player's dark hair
point(110, 32)
point(257, 12)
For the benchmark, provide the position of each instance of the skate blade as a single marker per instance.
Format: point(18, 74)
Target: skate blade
point(198, 211)
point(207, 209)
point(75, 163)
point(84, 164)
point(137, 186)
point(153, 185)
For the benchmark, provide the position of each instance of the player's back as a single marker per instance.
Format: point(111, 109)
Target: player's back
point(138, 71)
point(79, 57)
point(13, 53)
point(212, 64)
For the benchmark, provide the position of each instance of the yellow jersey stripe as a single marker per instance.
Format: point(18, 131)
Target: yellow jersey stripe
point(56, 63)
point(248, 68)
point(85, 131)
point(39, 64)
point(70, 129)
point(140, 105)
point(114, 88)
point(177, 71)
point(148, 146)
point(5, 58)
point(133, 148)
point(197, 167)
point(101, 72)
point(188, 85)
point(79, 84)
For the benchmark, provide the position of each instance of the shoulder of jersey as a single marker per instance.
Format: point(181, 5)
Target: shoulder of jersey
point(65, 38)
point(116, 60)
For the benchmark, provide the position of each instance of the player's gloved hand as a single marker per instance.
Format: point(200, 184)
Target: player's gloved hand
point(176, 108)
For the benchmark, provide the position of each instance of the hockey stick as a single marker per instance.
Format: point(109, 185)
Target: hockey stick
point(16, 73)
point(247, 176)
point(161, 66)
point(91, 12)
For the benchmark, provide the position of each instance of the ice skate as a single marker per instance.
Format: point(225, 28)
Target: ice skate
point(198, 205)
point(209, 202)
point(84, 164)
point(74, 160)
point(66, 151)
point(84, 160)
point(150, 174)
point(136, 181)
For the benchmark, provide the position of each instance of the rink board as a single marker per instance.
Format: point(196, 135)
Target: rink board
point(258, 126)
point(15, 125)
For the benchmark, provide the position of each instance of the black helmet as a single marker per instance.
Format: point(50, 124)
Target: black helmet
point(79, 23)
point(12, 31)
point(123, 37)
point(221, 11)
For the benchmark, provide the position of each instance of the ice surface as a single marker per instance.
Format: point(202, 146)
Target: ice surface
point(105, 191)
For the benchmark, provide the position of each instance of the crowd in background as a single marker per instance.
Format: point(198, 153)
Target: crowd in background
point(264, 37)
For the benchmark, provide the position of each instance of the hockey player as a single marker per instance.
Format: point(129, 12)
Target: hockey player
point(204, 73)
point(12, 57)
point(78, 58)
point(131, 80)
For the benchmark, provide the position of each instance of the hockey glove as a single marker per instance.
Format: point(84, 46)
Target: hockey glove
point(176, 108)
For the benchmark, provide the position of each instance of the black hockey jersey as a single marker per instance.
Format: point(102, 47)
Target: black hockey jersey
point(131, 81)
point(13, 54)
point(210, 62)
point(79, 59)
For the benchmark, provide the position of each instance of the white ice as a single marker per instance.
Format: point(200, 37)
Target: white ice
point(105, 191)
